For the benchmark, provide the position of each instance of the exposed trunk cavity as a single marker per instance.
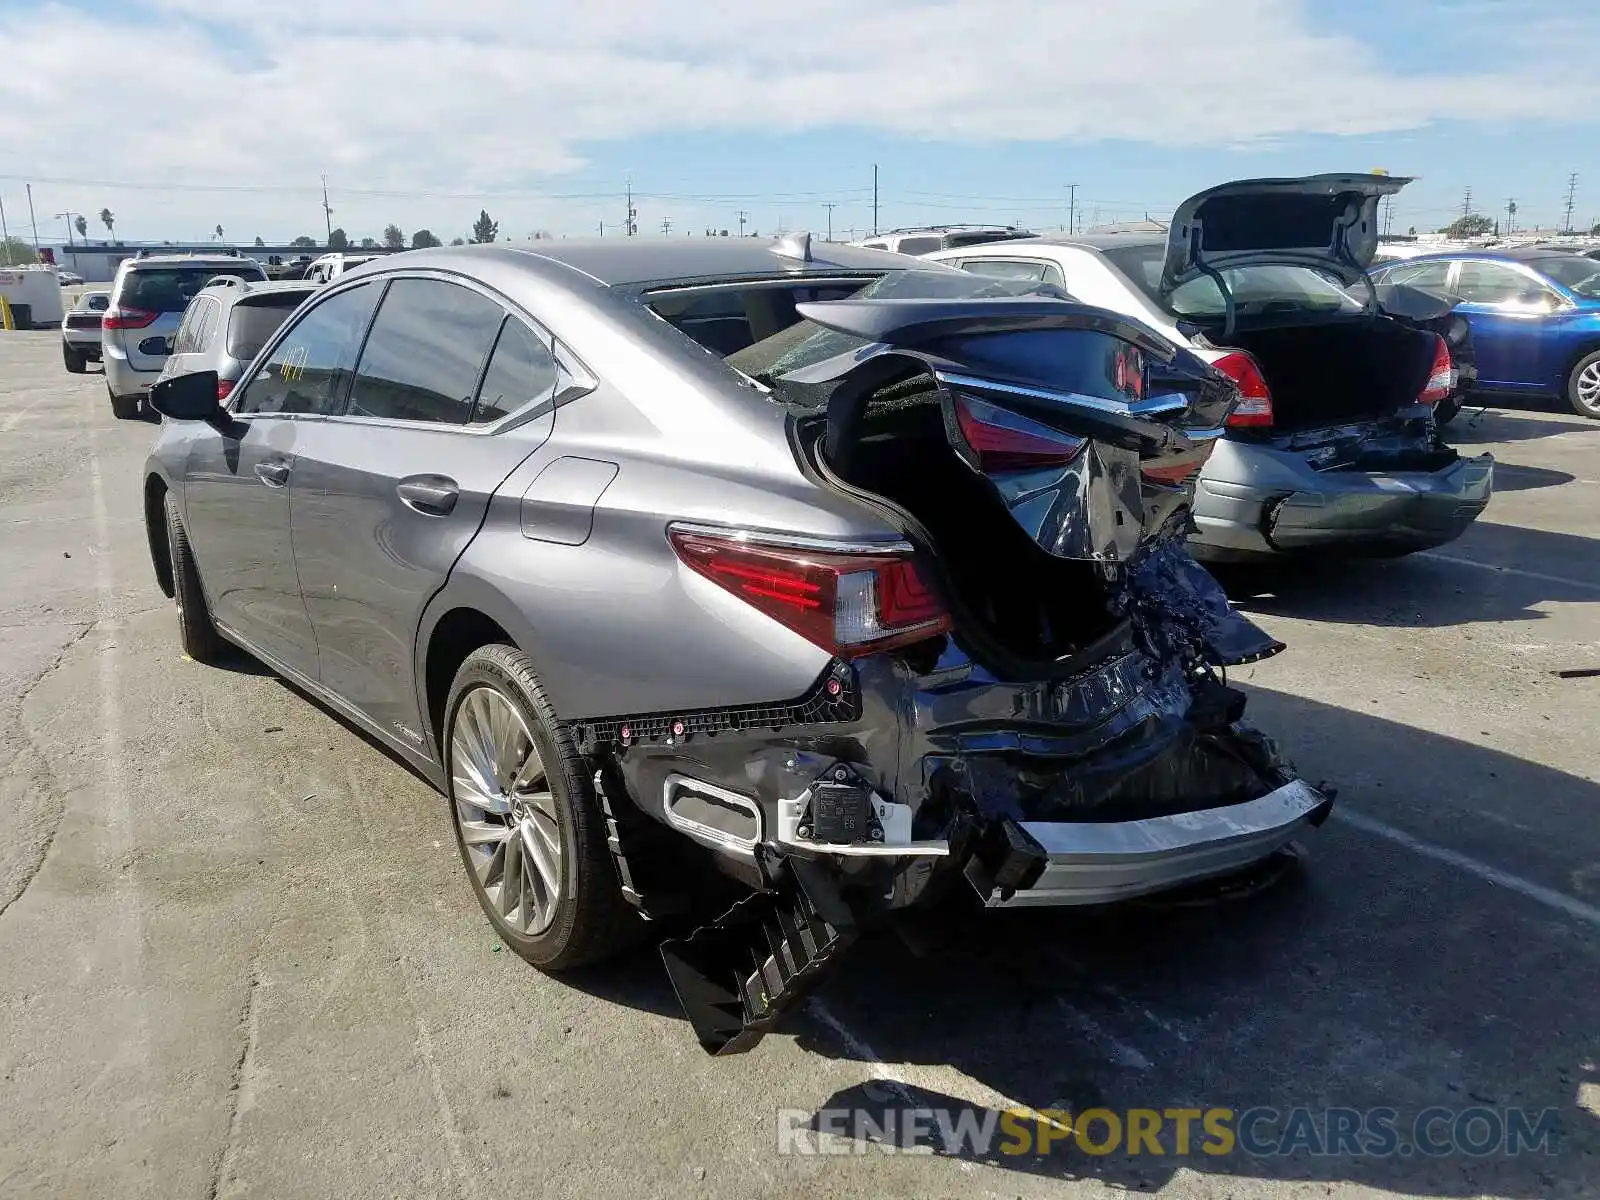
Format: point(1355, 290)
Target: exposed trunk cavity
point(1337, 372)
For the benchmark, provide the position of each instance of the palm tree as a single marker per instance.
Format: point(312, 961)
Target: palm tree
point(109, 220)
point(219, 233)
point(82, 226)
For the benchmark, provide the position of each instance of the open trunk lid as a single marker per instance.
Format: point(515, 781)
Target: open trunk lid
point(1326, 222)
point(1043, 451)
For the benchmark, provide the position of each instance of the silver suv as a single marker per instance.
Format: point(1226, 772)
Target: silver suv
point(148, 297)
point(226, 325)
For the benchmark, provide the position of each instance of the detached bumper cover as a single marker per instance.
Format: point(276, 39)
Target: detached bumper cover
point(1256, 500)
point(1095, 863)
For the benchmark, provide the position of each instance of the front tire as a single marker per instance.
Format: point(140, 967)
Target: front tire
point(528, 826)
point(75, 361)
point(1583, 386)
point(196, 631)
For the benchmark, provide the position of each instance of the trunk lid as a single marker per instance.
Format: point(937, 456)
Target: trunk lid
point(1326, 222)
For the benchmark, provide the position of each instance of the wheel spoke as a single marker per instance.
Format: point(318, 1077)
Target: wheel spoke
point(546, 859)
point(511, 877)
point(481, 833)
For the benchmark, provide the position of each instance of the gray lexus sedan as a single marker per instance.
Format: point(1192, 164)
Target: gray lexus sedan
point(854, 580)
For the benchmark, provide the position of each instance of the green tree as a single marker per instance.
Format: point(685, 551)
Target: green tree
point(394, 237)
point(81, 225)
point(483, 229)
point(422, 239)
point(369, 244)
point(1471, 225)
point(303, 242)
point(219, 233)
point(338, 240)
point(259, 242)
point(14, 252)
point(1595, 232)
point(109, 220)
point(458, 241)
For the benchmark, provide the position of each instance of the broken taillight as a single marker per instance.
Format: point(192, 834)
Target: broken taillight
point(1441, 376)
point(848, 603)
point(1255, 397)
point(1004, 441)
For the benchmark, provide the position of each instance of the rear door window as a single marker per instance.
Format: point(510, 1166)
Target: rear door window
point(310, 368)
point(425, 353)
point(521, 371)
point(1425, 275)
point(1490, 283)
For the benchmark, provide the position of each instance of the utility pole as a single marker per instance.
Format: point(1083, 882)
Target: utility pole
point(5, 234)
point(35, 222)
point(1572, 191)
point(830, 208)
point(874, 199)
point(743, 217)
point(1072, 208)
point(602, 229)
point(1466, 203)
point(327, 210)
point(666, 226)
point(1511, 215)
point(67, 217)
point(1388, 214)
point(632, 227)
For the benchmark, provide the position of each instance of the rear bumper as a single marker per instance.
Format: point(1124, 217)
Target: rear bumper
point(1092, 863)
point(1254, 502)
point(84, 341)
point(122, 377)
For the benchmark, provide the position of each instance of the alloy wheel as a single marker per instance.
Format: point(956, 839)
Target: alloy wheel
point(1589, 387)
point(505, 810)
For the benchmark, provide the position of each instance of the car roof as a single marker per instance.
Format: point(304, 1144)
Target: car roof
point(186, 260)
point(1522, 254)
point(252, 287)
point(633, 261)
point(1087, 241)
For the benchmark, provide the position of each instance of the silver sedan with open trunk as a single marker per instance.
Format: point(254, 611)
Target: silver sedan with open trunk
point(851, 579)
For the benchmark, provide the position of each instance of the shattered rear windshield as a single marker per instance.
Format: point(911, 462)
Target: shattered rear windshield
point(806, 342)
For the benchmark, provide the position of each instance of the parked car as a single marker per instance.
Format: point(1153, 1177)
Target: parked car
point(148, 297)
point(845, 576)
point(1534, 313)
point(69, 278)
point(330, 266)
point(227, 323)
point(928, 238)
point(80, 331)
point(1335, 444)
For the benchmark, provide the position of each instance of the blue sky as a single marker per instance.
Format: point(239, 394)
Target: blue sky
point(421, 112)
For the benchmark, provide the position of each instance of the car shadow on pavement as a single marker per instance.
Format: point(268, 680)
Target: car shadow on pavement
point(1475, 427)
point(1458, 585)
point(1511, 477)
point(1375, 978)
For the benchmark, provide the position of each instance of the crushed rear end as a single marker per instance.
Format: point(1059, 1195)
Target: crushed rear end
point(1026, 698)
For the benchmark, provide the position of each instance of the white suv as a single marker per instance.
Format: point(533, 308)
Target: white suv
point(148, 297)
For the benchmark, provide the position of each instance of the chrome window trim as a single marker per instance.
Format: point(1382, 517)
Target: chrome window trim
point(1150, 406)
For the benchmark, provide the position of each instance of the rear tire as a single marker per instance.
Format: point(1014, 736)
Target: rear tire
point(1445, 411)
point(1583, 386)
point(196, 631)
point(75, 360)
point(123, 408)
point(548, 804)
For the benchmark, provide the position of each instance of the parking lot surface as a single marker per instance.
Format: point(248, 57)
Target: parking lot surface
point(238, 956)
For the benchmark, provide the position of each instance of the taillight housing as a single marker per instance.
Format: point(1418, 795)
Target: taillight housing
point(1441, 376)
point(850, 604)
point(1255, 397)
point(1006, 441)
point(126, 318)
point(224, 388)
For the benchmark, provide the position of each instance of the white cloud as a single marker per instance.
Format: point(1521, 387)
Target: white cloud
point(436, 96)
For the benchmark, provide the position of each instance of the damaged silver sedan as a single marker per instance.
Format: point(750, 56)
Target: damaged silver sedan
point(848, 578)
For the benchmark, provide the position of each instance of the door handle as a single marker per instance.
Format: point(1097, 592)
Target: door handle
point(273, 474)
point(431, 495)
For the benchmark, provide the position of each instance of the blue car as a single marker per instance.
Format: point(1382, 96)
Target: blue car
point(1534, 313)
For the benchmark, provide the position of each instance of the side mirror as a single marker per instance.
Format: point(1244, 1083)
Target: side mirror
point(191, 397)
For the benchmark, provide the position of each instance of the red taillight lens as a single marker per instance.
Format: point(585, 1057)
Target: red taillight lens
point(126, 318)
point(1441, 376)
point(224, 388)
point(1255, 397)
point(1004, 441)
point(849, 604)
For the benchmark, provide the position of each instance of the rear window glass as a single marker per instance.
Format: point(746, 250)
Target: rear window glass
point(94, 302)
point(1256, 290)
point(919, 245)
point(253, 323)
point(806, 342)
point(169, 289)
point(730, 318)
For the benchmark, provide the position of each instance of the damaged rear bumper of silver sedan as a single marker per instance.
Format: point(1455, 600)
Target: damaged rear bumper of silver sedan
point(898, 781)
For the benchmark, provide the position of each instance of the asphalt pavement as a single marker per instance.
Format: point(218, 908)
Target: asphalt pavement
point(238, 956)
